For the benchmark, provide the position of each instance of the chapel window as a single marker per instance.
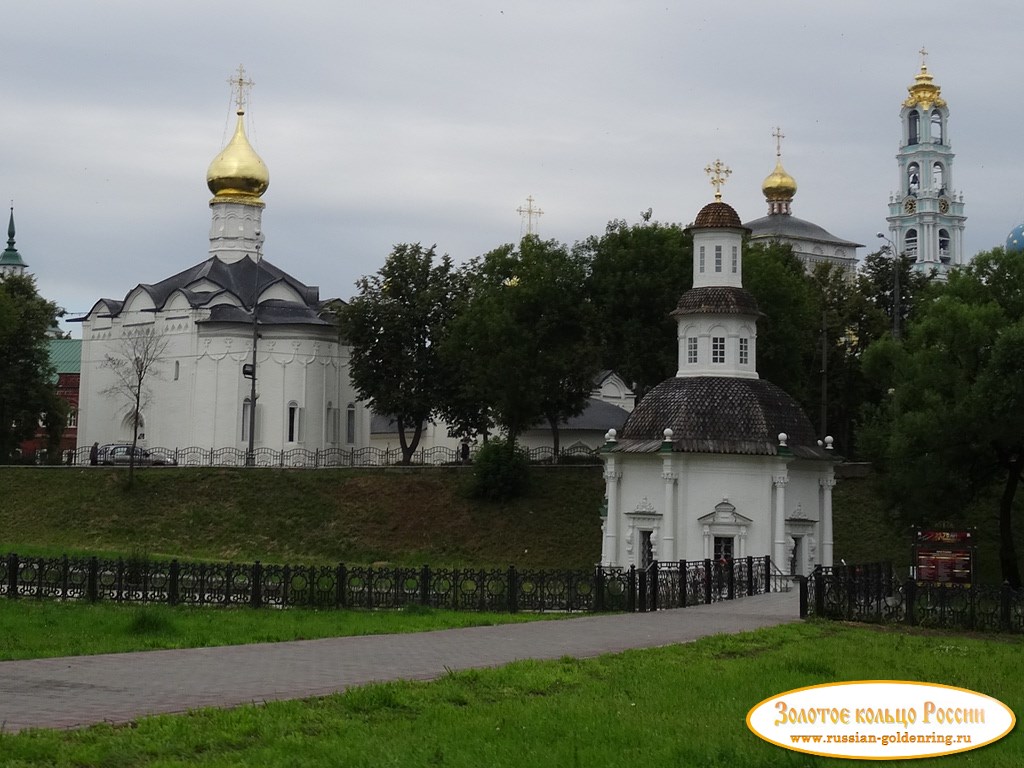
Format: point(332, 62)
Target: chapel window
point(177, 369)
point(701, 266)
point(735, 259)
point(246, 418)
point(718, 349)
point(294, 422)
point(744, 351)
point(718, 258)
point(350, 424)
point(691, 349)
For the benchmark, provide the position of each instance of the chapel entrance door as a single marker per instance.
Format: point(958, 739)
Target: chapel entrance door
point(646, 549)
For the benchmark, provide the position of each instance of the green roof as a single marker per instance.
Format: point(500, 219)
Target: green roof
point(66, 355)
point(10, 257)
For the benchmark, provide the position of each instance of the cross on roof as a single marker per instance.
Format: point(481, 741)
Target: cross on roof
point(718, 172)
point(529, 212)
point(240, 87)
point(924, 57)
point(779, 136)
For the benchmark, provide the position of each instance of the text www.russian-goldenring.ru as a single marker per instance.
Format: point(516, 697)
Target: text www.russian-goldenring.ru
point(885, 740)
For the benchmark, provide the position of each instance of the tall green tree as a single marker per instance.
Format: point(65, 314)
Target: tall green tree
point(523, 341)
point(26, 385)
point(636, 275)
point(952, 424)
point(394, 325)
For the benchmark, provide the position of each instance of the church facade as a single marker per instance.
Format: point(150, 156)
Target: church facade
point(716, 462)
point(206, 323)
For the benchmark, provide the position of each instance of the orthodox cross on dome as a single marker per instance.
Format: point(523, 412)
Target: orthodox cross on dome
point(778, 135)
point(924, 57)
point(528, 213)
point(240, 88)
point(718, 172)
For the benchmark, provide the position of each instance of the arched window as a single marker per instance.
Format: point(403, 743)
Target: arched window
point(938, 177)
point(944, 245)
point(246, 418)
point(913, 178)
point(913, 127)
point(350, 424)
point(294, 422)
point(177, 369)
point(936, 127)
point(910, 242)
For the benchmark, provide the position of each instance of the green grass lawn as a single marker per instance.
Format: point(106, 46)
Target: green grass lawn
point(682, 705)
point(30, 629)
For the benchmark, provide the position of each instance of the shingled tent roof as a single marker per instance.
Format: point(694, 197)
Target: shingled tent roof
point(718, 300)
point(718, 414)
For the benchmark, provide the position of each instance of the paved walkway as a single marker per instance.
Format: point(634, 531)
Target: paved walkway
point(83, 690)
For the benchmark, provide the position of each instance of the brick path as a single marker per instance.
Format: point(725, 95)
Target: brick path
point(83, 690)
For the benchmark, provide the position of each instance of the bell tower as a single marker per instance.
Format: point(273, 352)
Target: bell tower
point(926, 213)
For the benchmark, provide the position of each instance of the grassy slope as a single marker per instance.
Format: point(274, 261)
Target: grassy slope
point(412, 517)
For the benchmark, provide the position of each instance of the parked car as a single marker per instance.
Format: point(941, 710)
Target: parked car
point(120, 453)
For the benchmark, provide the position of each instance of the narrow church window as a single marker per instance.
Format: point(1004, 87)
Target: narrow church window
point(177, 369)
point(350, 424)
point(937, 180)
point(910, 241)
point(744, 351)
point(294, 422)
point(944, 245)
point(718, 349)
point(702, 258)
point(245, 419)
point(913, 123)
point(936, 127)
point(735, 259)
point(718, 258)
point(691, 349)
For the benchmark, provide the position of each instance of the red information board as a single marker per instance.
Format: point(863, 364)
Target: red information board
point(944, 557)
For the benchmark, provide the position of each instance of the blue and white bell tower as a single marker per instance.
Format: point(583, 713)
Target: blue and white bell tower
point(926, 213)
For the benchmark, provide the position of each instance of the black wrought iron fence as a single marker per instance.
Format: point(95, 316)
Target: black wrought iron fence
point(144, 580)
point(301, 458)
point(874, 593)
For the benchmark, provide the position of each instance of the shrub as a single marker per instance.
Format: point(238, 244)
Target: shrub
point(500, 471)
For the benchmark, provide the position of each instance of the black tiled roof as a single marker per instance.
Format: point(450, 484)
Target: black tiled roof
point(721, 300)
point(719, 414)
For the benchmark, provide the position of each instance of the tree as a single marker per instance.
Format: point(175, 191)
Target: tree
point(26, 388)
point(137, 360)
point(636, 276)
point(523, 341)
point(952, 424)
point(394, 326)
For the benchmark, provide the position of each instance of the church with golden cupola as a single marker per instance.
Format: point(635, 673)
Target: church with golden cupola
point(249, 357)
point(811, 243)
point(926, 213)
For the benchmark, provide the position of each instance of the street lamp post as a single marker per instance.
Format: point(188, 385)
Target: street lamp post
point(897, 263)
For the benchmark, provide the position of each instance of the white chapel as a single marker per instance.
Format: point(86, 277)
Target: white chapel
point(210, 317)
point(716, 462)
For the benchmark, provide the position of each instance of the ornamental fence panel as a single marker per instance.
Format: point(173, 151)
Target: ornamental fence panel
point(873, 593)
point(140, 579)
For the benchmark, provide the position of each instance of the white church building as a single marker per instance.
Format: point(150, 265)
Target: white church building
point(208, 318)
point(716, 462)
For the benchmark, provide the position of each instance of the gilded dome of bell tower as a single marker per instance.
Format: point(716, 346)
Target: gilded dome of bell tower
point(238, 174)
point(779, 187)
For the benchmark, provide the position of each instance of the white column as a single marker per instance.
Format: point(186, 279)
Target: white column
point(610, 550)
point(668, 551)
point(779, 533)
point(827, 484)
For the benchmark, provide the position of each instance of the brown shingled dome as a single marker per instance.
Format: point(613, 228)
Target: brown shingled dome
point(717, 299)
point(717, 215)
point(719, 414)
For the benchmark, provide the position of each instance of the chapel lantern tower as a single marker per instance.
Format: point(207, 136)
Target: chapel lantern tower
point(237, 178)
point(926, 213)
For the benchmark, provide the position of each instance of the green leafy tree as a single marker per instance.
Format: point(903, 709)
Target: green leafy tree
point(26, 386)
point(636, 276)
point(952, 424)
point(523, 341)
point(394, 325)
point(787, 331)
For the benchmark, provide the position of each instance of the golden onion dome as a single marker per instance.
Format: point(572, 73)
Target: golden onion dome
point(924, 93)
point(779, 186)
point(238, 172)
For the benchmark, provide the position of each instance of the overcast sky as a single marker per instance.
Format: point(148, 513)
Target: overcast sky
point(386, 122)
